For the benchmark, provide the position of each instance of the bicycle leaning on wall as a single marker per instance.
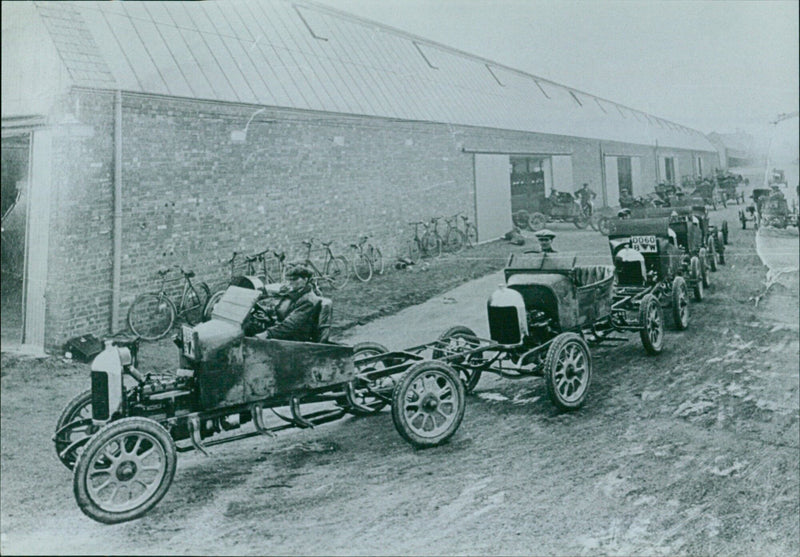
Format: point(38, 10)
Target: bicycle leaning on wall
point(152, 315)
point(334, 271)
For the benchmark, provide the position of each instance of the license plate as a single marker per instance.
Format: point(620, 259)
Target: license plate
point(644, 244)
point(188, 346)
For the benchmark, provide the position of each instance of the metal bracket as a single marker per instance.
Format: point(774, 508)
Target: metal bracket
point(194, 431)
point(256, 411)
point(294, 405)
point(350, 391)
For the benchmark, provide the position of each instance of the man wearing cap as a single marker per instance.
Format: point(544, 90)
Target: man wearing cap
point(586, 195)
point(295, 310)
point(545, 238)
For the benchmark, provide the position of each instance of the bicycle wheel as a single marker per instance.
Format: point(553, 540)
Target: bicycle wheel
point(194, 302)
point(336, 272)
point(362, 267)
point(151, 316)
point(212, 301)
point(376, 257)
point(431, 245)
point(455, 240)
point(414, 250)
point(471, 235)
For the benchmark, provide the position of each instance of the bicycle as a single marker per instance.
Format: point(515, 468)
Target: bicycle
point(368, 261)
point(152, 315)
point(432, 241)
point(334, 267)
point(362, 264)
point(454, 237)
point(238, 280)
point(470, 232)
point(374, 254)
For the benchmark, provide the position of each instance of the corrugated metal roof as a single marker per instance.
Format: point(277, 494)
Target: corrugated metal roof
point(302, 55)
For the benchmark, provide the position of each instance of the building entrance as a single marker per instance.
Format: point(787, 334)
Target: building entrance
point(14, 170)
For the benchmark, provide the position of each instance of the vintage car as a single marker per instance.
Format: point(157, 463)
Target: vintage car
point(774, 211)
point(542, 321)
point(559, 207)
point(752, 213)
point(649, 261)
point(121, 436)
point(727, 183)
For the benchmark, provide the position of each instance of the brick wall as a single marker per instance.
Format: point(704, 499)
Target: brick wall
point(192, 195)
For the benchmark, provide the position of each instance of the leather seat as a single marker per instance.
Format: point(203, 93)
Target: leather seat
point(584, 275)
point(324, 316)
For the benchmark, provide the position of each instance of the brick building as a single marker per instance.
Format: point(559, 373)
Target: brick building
point(155, 134)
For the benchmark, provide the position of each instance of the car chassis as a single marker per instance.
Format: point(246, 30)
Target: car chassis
point(121, 437)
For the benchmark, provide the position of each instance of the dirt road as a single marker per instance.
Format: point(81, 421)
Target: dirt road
point(693, 452)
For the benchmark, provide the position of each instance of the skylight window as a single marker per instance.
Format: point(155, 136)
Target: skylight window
point(310, 30)
point(421, 53)
point(488, 67)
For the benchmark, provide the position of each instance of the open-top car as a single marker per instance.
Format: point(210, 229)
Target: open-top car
point(560, 206)
point(542, 321)
point(649, 262)
point(121, 436)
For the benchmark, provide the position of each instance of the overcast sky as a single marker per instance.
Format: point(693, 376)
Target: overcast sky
point(711, 65)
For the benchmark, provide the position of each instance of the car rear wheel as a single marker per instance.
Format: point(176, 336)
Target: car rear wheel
point(125, 470)
point(568, 371)
point(428, 404)
point(74, 428)
point(712, 254)
point(696, 274)
point(456, 339)
point(604, 226)
point(705, 270)
point(651, 319)
point(680, 304)
point(521, 219)
point(365, 391)
point(537, 221)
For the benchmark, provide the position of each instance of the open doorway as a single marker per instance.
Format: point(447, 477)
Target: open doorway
point(14, 170)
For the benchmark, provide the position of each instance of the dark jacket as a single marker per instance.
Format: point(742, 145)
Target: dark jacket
point(296, 316)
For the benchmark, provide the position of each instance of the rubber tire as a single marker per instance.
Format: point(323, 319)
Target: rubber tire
point(98, 443)
point(705, 271)
point(581, 222)
point(471, 235)
point(200, 295)
point(471, 377)
point(725, 232)
point(697, 279)
point(401, 392)
point(68, 414)
point(593, 220)
point(377, 260)
point(455, 240)
point(556, 347)
point(431, 245)
point(159, 332)
point(651, 347)
point(362, 267)
point(337, 267)
point(721, 251)
point(414, 251)
point(521, 219)
point(537, 222)
point(212, 301)
point(375, 348)
point(712, 251)
point(604, 226)
point(679, 290)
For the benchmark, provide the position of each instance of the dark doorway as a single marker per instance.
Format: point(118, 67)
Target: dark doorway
point(625, 174)
point(14, 171)
point(669, 170)
point(527, 184)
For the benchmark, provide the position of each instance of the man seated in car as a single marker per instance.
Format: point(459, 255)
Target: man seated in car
point(295, 313)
